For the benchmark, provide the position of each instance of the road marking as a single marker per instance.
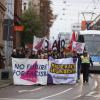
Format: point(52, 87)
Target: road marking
point(78, 96)
point(96, 84)
point(56, 94)
point(91, 93)
point(96, 96)
point(20, 91)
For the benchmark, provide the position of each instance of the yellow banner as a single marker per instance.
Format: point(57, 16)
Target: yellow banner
point(63, 68)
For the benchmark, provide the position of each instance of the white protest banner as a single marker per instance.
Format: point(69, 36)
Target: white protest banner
point(63, 71)
point(37, 43)
point(79, 47)
point(29, 71)
point(46, 44)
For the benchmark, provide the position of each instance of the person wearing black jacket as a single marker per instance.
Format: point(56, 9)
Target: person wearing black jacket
point(85, 64)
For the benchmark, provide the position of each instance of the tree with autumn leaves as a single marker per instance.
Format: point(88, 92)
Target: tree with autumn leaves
point(34, 24)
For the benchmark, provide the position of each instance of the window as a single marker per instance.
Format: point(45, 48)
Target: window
point(24, 6)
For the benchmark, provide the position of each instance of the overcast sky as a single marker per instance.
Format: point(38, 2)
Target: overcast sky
point(69, 12)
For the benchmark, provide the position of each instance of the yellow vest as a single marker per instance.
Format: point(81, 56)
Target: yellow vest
point(85, 59)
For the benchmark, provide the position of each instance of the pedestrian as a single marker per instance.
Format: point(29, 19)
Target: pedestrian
point(75, 57)
point(85, 63)
point(79, 66)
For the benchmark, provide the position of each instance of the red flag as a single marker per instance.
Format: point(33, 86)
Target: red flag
point(73, 38)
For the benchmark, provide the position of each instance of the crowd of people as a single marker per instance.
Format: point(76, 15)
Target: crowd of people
point(84, 60)
point(40, 54)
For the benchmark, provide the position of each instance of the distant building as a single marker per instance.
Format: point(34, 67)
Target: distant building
point(64, 35)
point(25, 5)
point(28, 3)
point(46, 16)
point(76, 27)
point(2, 14)
point(36, 5)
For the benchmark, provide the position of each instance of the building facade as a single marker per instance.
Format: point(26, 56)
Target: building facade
point(17, 14)
point(46, 16)
point(36, 5)
point(25, 5)
point(31, 3)
point(2, 14)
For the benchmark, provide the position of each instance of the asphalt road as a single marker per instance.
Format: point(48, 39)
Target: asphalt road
point(79, 91)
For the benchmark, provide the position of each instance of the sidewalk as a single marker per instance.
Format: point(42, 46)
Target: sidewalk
point(5, 83)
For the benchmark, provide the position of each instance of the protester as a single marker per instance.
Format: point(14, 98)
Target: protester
point(14, 54)
point(32, 54)
point(45, 56)
point(75, 58)
point(85, 62)
point(28, 54)
point(79, 66)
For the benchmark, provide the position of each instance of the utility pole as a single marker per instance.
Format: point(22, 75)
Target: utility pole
point(14, 33)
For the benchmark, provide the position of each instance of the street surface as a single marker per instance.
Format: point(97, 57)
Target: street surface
point(79, 91)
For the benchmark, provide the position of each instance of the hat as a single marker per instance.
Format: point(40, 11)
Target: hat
point(14, 50)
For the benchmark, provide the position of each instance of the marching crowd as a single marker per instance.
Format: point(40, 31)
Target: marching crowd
point(84, 60)
point(40, 54)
